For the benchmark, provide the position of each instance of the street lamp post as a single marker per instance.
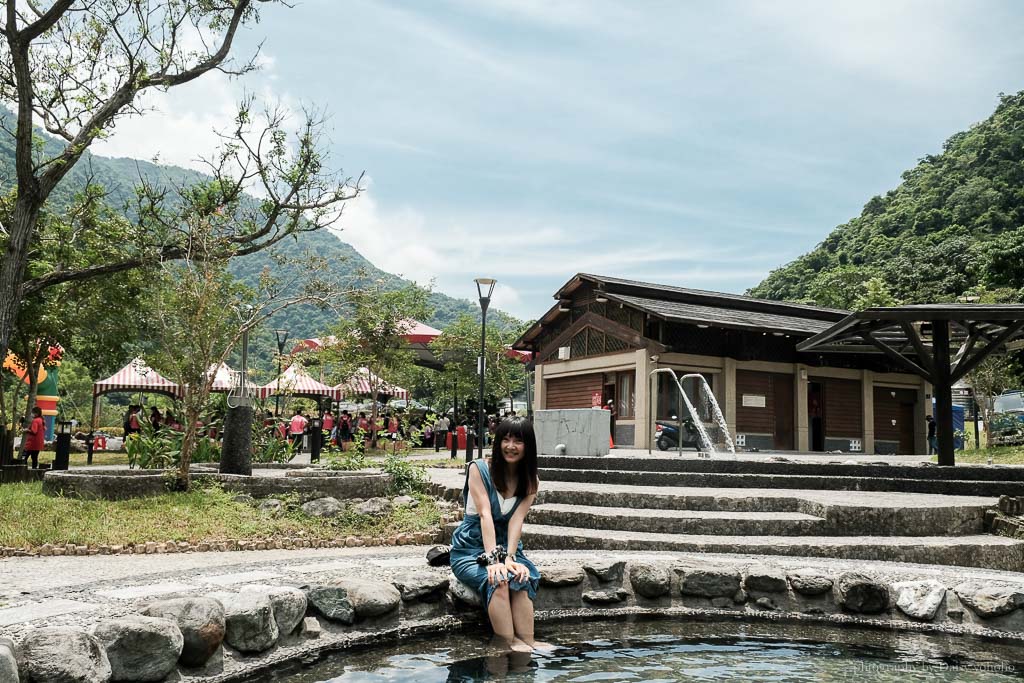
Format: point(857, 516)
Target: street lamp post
point(484, 288)
point(282, 339)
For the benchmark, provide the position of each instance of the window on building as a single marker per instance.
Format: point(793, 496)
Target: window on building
point(624, 394)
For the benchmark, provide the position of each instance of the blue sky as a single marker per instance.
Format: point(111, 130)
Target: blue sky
point(697, 144)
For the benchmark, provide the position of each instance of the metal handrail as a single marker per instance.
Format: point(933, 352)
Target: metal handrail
point(698, 423)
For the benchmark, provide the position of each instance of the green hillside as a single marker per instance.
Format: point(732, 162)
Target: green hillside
point(119, 175)
point(954, 225)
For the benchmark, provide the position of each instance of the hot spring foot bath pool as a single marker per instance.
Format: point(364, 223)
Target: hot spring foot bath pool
point(671, 650)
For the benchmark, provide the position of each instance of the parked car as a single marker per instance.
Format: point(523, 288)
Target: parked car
point(1006, 427)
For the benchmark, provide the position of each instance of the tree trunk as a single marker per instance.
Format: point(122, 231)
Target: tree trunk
point(12, 269)
point(188, 447)
point(236, 455)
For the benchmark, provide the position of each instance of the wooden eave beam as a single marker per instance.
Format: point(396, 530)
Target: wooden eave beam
point(898, 358)
point(968, 364)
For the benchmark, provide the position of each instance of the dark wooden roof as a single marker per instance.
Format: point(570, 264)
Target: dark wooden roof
point(723, 299)
point(722, 317)
point(902, 333)
point(696, 306)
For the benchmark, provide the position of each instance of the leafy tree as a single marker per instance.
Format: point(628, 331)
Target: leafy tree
point(79, 66)
point(371, 336)
point(202, 313)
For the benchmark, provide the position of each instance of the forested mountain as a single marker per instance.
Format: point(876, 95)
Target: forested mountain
point(954, 226)
point(119, 175)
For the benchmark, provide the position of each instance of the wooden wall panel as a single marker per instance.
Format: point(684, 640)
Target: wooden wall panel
point(572, 392)
point(844, 411)
point(754, 420)
point(887, 409)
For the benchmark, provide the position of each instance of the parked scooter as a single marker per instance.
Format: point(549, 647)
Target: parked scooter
point(666, 434)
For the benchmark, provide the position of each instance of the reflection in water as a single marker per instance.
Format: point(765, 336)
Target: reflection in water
point(672, 651)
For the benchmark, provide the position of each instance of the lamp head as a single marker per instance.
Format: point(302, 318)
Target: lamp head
point(282, 339)
point(485, 287)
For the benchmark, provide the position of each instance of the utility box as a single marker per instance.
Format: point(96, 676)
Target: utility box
point(583, 431)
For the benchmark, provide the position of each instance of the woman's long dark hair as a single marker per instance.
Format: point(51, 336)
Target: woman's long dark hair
point(522, 429)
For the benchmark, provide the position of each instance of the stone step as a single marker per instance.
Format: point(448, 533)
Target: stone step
point(678, 521)
point(720, 463)
point(989, 552)
point(786, 481)
point(849, 514)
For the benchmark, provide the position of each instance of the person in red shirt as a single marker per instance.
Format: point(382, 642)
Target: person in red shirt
point(297, 428)
point(34, 437)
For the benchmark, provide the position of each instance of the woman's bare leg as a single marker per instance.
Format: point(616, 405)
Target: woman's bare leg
point(522, 616)
point(499, 610)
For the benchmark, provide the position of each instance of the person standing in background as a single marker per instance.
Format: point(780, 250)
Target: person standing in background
point(34, 436)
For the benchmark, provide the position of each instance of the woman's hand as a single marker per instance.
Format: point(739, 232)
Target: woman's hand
point(497, 573)
point(517, 570)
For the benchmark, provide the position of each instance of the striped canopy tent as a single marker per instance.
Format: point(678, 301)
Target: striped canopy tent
point(137, 376)
point(223, 378)
point(362, 383)
point(134, 377)
point(297, 382)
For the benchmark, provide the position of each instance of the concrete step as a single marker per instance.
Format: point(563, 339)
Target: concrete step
point(721, 463)
point(678, 521)
point(990, 552)
point(849, 514)
point(786, 481)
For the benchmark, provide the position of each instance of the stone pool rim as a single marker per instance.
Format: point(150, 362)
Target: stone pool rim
point(314, 654)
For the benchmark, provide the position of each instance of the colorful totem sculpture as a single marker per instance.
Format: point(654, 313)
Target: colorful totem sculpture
point(47, 396)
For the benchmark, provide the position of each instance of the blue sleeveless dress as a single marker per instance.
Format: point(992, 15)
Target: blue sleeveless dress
point(467, 543)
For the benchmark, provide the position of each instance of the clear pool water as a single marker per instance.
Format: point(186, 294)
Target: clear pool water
point(681, 651)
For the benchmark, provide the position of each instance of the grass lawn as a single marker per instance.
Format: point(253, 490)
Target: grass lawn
point(1000, 455)
point(203, 515)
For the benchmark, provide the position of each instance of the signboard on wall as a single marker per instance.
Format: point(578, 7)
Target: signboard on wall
point(754, 401)
point(595, 399)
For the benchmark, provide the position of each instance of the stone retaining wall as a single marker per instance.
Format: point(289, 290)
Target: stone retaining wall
point(127, 484)
point(231, 635)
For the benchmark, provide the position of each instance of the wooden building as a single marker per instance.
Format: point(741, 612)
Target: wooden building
point(604, 337)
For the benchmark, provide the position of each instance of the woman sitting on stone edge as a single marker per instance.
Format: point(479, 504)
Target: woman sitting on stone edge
point(487, 554)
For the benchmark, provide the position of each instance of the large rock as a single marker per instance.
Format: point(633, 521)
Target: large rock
point(919, 599)
point(709, 583)
point(62, 655)
point(202, 625)
point(374, 507)
point(558, 576)
point(345, 599)
point(810, 581)
point(289, 605)
point(649, 579)
point(249, 617)
point(140, 648)
point(271, 507)
point(426, 586)
point(859, 593)
point(323, 507)
point(988, 599)
point(8, 661)
point(606, 571)
point(464, 593)
point(768, 580)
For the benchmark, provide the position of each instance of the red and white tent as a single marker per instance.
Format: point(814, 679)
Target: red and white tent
point(297, 382)
point(364, 381)
point(223, 378)
point(136, 376)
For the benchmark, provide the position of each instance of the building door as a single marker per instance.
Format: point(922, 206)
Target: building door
point(906, 424)
point(782, 393)
point(816, 415)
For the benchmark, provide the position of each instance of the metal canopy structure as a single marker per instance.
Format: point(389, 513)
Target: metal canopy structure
point(939, 342)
